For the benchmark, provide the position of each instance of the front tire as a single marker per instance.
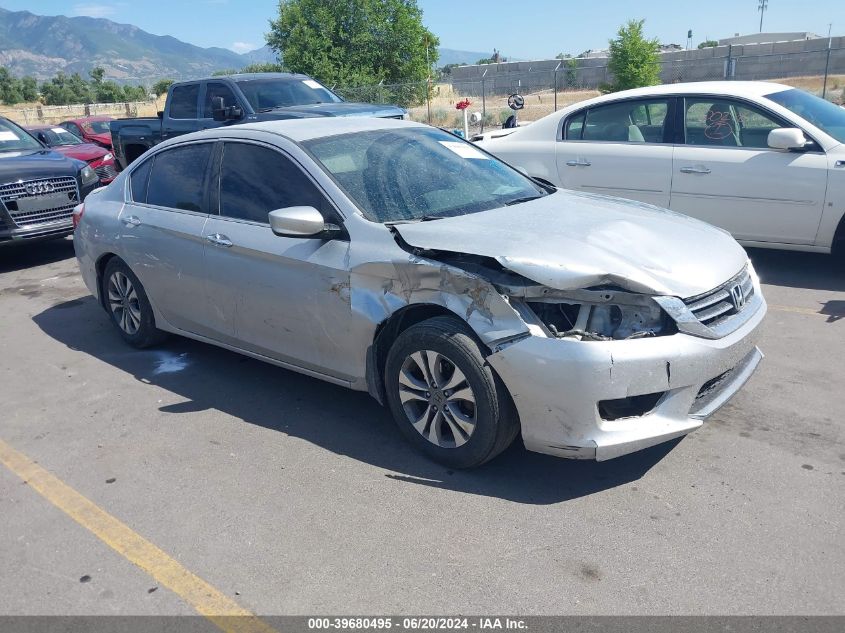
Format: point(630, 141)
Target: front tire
point(128, 306)
point(445, 397)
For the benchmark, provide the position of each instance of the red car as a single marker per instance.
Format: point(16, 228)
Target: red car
point(93, 129)
point(60, 140)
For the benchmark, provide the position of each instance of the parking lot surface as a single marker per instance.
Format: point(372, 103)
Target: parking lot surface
point(292, 496)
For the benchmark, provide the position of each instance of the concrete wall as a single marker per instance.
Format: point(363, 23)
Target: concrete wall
point(748, 62)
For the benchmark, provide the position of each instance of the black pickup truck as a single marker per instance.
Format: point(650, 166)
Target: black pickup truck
point(233, 99)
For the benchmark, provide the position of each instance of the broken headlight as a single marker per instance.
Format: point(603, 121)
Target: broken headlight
point(603, 322)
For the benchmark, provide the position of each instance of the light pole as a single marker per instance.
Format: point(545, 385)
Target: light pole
point(761, 7)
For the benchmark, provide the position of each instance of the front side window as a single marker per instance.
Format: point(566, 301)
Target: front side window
point(73, 128)
point(214, 90)
point(178, 176)
point(418, 173)
point(183, 101)
point(627, 122)
point(255, 180)
point(727, 123)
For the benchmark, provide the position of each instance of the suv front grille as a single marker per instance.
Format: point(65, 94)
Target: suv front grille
point(711, 308)
point(40, 201)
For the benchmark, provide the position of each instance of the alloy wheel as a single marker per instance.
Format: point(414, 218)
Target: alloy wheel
point(437, 398)
point(123, 303)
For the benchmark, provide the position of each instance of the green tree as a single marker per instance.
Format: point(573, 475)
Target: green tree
point(29, 89)
point(10, 89)
point(162, 86)
point(97, 74)
point(708, 44)
point(634, 60)
point(345, 43)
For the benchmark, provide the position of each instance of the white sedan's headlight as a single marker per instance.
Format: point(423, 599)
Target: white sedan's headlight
point(88, 176)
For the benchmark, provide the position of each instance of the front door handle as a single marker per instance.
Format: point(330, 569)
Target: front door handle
point(695, 170)
point(219, 240)
point(581, 162)
point(840, 163)
point(131, 220)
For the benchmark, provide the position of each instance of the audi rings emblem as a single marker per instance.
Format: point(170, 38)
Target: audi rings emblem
point(38, 188)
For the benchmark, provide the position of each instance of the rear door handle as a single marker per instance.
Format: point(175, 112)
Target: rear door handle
point(219, 240)
point(131, 220)
point(695, 170)
point(840, 163)
point(581, 162)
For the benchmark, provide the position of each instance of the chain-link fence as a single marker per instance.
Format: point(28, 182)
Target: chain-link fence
point(46, 115)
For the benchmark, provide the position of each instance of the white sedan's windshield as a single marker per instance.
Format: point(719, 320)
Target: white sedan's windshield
point(418, 173)
point(823, 114)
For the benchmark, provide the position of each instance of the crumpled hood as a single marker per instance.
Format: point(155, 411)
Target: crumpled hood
point(570, 240)
point(85, 151)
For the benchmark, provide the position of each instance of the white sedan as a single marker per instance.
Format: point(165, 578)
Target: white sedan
point(762, 160)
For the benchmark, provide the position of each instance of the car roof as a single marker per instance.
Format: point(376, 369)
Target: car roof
point(299, 130)
point(246, 76)
point(38, 127)
point(728, 88)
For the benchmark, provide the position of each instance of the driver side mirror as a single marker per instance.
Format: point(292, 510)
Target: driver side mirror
point(219, 112)
point(789, 138)
point(301, 222)
point(43, 138)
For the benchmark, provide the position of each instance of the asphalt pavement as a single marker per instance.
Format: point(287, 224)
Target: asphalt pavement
point(288, 495)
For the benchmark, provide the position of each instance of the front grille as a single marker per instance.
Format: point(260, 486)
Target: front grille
point(105, 172)
point(730, 298)
point(12, 194)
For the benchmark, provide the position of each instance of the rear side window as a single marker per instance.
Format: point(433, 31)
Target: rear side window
point(627, 122)
point(183, 102)
point(574, 127)
point(255, 180)
point(138, 180)
point(178, 176)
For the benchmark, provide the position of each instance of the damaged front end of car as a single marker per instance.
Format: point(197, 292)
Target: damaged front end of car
point(600, 371)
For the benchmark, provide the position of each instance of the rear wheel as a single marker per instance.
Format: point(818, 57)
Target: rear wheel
point(128, 306)
point(445, 397)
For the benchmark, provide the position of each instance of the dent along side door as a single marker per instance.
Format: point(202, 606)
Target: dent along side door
point(620, 149)
point(286, 298)
point(725, 173)
point(161, 230)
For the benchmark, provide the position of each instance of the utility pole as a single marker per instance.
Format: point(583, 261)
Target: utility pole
point(761, 7)
point(827, 63)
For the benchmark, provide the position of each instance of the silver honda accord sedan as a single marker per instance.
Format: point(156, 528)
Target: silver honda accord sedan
point(393, 257)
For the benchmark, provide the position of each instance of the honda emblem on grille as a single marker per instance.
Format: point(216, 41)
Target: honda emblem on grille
point(738, 297)
point(38, 188)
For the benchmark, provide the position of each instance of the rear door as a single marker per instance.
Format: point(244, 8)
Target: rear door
point(282, 297)
point(161, 230)
point(182, 113)
point(620, 149)
point(726, 174)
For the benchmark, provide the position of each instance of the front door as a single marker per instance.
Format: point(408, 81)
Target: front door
point(281, 297)
point(726, 174)
point(161, 231)
point(619, 149)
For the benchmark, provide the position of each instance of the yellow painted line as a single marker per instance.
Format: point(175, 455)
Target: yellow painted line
point(224, 612)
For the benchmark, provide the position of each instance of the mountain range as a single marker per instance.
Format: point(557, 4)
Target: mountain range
point(41, 46)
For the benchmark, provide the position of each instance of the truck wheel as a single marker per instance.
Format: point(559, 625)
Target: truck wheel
point(128, 306)
point(444, 396)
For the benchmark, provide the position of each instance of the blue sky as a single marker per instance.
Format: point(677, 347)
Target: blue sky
point(528, 29)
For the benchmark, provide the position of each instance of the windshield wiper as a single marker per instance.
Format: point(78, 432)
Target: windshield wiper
point(521, 200)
